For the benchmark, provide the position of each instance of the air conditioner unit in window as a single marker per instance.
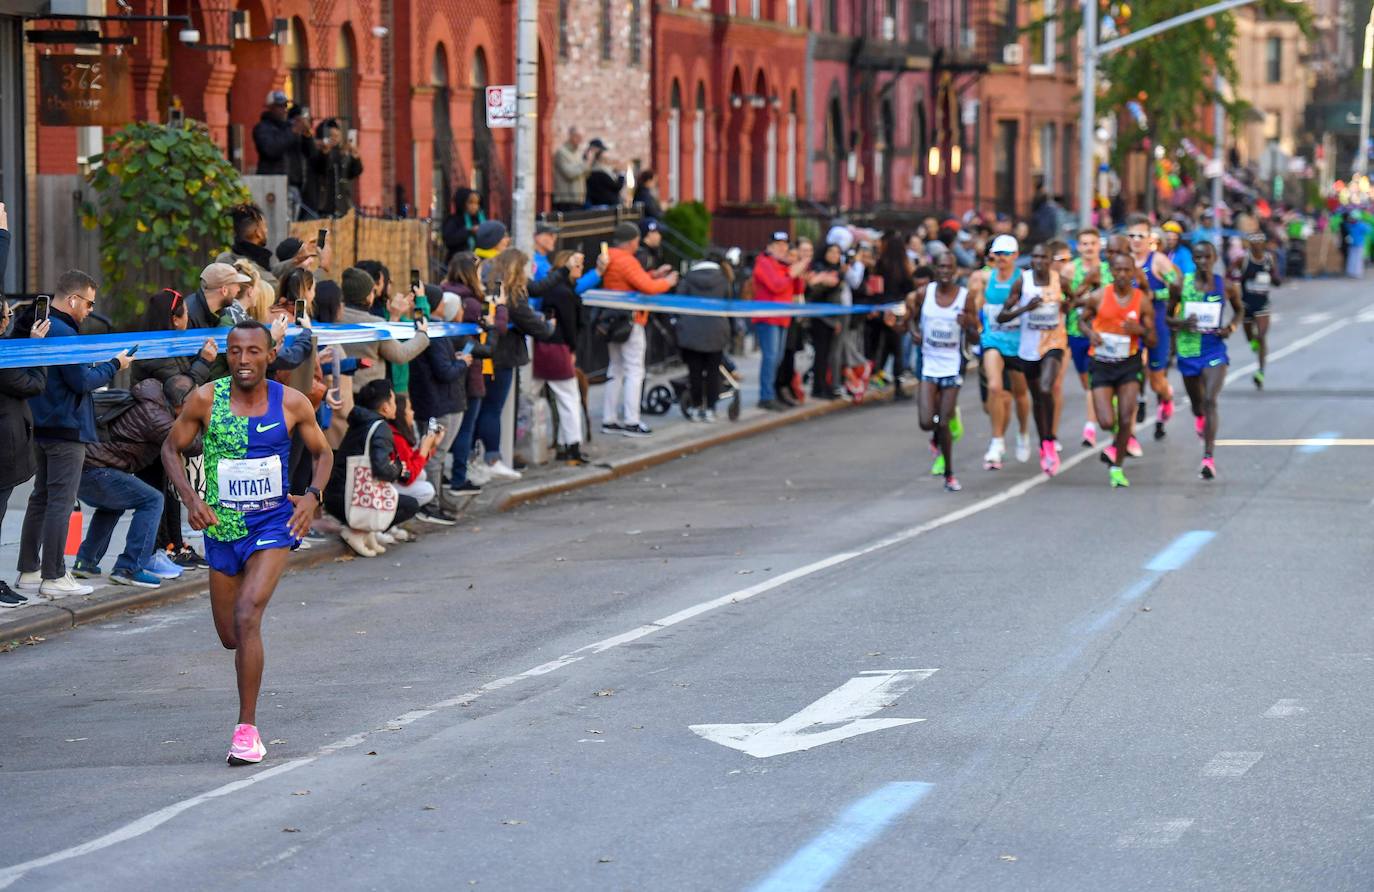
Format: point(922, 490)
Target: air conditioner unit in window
point(1012, 54)
point(889, 28)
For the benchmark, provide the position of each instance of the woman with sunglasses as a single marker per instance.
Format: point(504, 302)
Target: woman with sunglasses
point(167, 312)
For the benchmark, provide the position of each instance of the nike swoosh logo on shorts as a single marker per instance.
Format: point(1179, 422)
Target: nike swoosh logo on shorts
point(265, 542)
point(264, 429)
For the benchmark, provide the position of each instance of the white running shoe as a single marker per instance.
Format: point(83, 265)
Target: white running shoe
point(1023, 448)
point(62, 587)
point(29, 582)
point(500, 469)
point(992, 459)
point(478, 472)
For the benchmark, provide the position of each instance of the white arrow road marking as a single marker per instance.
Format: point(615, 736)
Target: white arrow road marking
point(843, 710)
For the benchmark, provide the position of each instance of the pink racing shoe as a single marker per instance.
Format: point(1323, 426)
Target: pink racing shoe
point(1133, 448)
point(1108, 455)
point(1166, 410)
point(246, 748)
point(1209, 469)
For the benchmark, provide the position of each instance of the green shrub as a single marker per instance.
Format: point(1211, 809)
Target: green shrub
point(162, 207)
point(691, 219)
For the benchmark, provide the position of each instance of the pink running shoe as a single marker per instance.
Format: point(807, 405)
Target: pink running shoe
point(1166, 410)
point(1051, 460)
point(1108, 455)
point(1209, 469)
point(1045, 450)
point(1200, 425)
point(1090, 435)
point(1133, 448)
point(246, 747)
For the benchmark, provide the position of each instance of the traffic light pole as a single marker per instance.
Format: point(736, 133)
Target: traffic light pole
point(1092, 52)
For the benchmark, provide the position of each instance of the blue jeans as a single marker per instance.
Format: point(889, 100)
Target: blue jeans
point(770, 338)
point(112, 493)
point(489, 419)
point(462, 444)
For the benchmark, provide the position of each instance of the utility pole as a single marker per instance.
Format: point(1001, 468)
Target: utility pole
point(527, 123)
point(1218, 161)
point(1093, 51)
point(1362, 150)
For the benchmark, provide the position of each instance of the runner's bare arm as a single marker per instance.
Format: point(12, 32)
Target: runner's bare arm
point(195, 415)
point(1147, 322)
point(1173, 320)
point(1237, 306)
point(301, 416)
point(1086, 316)
point(1166, 272)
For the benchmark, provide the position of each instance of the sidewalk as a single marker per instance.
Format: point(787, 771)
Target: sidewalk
point(611, 456)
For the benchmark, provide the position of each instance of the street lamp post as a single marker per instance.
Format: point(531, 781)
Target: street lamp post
point(1093, 51)
point(1362, 150)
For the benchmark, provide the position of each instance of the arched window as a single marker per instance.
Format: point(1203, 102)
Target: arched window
point(481, 137)
point(835, 146)
point(790, 176)
point(675, 145)
point(699, 146)
point(296, 58)
point(442, 179)
point(345, 76)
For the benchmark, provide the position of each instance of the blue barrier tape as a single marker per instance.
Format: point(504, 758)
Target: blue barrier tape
point(691, 305)
point(29, 352)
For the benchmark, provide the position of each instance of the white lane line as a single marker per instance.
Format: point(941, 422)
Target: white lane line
point(1300, 343)
point(1314, 318)
point(1230, 764)
point(1306, 444)
point(1285, 708)
point(143, 825)
point(1154, 834)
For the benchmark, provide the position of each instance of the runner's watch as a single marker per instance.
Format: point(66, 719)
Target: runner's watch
point(314, 491)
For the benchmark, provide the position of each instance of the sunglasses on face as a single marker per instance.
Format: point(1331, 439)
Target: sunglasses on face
point(1137, 235)
point(1003, 254)
point(1065, 259)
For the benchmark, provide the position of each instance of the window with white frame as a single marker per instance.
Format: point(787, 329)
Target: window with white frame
point(770, 166)
point(699, 147)
point(675, 146)
point(790, 175)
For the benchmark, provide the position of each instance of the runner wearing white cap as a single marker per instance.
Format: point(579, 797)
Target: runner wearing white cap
point(988, 289)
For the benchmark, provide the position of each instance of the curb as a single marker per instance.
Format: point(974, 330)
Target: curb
point(633, 464)
point(44, 619)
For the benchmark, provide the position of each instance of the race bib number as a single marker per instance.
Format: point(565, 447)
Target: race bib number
point(250, 484)
point(1208, 315)
point(942, 334)
point(1262, 282)
point(1114, 347)
point(1044, 317)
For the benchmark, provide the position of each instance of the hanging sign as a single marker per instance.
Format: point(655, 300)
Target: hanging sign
point(85, 90)
point(501, 106)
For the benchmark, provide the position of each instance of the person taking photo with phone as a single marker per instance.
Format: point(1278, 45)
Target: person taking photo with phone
point(17, 386)
point(333, 170)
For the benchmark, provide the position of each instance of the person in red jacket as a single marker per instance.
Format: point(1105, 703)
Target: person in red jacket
point(625, 375)
point(775, 281)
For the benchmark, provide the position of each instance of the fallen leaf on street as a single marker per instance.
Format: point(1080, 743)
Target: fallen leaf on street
point(342, 558)
point(430, 808)
point(276, 741)
point(33, 639)
point(511, 822)
point(593, 731)
point(290, 830)
point(1006, 858)
point(301, 793)
point(372, 753)
point(682, 684)
point(875, 653)
point(76, 739)
point(743, 572)
point(1144, 610)
point(604, 860)
point(605, 692)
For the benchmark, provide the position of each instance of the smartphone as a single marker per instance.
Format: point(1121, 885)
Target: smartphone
point(467, 349)
point(416, 316)
point(320, 237)
point(42, 305)
point(414, 279)
point(605, 249)
point(300, 309)
point(353, 135)
point(433, 427)
point(132, 350)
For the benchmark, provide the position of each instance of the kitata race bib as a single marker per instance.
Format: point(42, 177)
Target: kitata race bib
point(1114, 347)
point(1208, 315)
point(1044, 317)
point(250, 484)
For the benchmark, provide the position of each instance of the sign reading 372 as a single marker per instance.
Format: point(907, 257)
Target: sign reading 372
point(85, 91)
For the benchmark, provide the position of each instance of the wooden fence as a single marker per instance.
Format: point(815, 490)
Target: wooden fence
point(401, 245)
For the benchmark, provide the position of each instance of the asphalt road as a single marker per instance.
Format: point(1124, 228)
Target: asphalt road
point(1158, 688)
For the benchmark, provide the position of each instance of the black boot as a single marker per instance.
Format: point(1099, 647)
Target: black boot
point(574, 455)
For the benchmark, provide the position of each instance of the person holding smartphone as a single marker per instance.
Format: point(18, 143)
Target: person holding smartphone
point(332, 171)
point(17, 386)
point(438, 394)
point(64, 422)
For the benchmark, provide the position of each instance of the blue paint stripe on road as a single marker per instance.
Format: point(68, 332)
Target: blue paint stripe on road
point(1180, 551)
point(816, 863)
point(1319, 447)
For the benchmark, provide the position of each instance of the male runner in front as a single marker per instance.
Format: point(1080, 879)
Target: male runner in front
point(1258, 272)
point(1037, 304)
point(250, 519)
point(1196, 318)
point(988, 289)
point(1164, 281)
point(943, 315)
point(1090, 272)
point(1117, 329)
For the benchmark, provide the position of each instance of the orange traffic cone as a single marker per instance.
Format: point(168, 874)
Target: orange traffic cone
point(73, 531)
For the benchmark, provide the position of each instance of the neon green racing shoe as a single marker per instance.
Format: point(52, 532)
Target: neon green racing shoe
point(1117, 478)
point(938, 468)
point(956, 426)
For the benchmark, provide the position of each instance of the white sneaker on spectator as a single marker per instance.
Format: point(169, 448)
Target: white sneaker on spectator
point(29, 582)
point(385, 538)
point(636, 431)
point(357, 540)
point(62, 587)
point(478, 472)
point(708, 416)
point(500, 469)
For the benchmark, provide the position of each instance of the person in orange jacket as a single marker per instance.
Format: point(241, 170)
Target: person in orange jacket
point(625, 375)
point(778, 282)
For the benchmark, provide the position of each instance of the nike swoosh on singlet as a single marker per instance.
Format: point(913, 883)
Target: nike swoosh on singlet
point(262, 429)
point(265, 542)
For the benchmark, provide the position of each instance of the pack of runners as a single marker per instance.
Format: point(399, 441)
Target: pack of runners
point(1121, 320)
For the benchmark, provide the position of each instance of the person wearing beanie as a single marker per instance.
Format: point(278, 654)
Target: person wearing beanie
point(372, 356)
point(492, 239)
point(625, 376)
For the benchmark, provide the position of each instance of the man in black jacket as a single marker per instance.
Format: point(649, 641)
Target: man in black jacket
point(16, 424)
point(332, 171)
point(438, 388)
point(219, 286)
point(273, 136)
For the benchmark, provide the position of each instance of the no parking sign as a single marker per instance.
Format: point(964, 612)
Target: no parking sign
point(501, 106)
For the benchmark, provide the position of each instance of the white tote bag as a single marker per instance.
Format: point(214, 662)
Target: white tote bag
point(371, 503)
